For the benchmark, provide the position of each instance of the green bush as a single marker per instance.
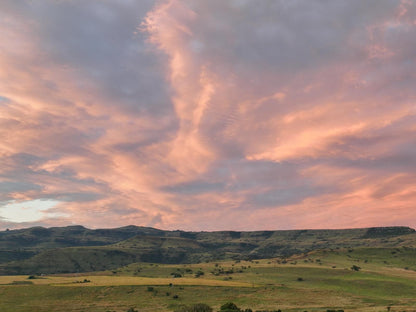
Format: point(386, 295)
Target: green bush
point(176, 274)
point(199, 307)
point(229, 307)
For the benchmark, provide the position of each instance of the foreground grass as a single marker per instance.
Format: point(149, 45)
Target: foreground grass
point(310, 282)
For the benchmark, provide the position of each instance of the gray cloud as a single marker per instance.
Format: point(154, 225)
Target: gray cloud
point(101, 42)
point(184, 114)
point(194, 187)
point(286, 36)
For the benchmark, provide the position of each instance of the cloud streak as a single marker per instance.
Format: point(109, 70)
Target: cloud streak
point(209, 115)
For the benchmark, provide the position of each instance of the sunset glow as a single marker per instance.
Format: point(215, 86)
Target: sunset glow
point(208, 114)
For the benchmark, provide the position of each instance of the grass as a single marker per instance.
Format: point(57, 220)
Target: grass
point(106, 280)
point(315, 281)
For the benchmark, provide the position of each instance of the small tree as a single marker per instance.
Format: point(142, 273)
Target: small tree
point(229, 307)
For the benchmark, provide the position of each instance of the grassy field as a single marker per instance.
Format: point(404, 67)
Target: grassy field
point(315, 281)
point(108, 280)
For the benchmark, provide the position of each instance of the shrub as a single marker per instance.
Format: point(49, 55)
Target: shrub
point(176, 274)
point(199, 307)
point(229, 307)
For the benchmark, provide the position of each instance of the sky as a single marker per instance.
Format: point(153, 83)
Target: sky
point(208, 114)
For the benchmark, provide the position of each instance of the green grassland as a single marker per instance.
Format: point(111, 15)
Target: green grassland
point(310, 281)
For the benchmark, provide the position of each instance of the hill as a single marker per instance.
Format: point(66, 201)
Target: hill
point(78, 249)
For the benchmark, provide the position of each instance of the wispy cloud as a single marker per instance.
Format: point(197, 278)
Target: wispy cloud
point(209, 114)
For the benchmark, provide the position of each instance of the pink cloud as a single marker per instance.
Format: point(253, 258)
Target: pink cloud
point(210, 115)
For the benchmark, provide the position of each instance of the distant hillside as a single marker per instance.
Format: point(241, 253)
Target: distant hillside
point(25, 243)
point(78, 249)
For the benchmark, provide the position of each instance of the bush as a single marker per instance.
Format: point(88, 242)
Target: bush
point(355, 268)
point(229, 307)
point(176, 274)
point(199, 307)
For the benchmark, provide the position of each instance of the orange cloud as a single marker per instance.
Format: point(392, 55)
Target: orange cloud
point(212, 116)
